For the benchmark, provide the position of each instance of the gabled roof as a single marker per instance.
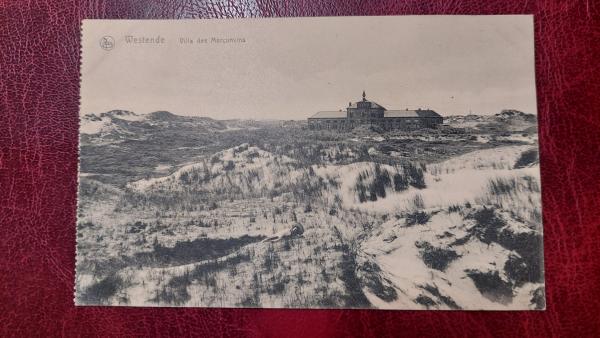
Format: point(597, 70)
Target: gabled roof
point(329, 115)
point(427, 113)
point(372, 105)
point(400, 113)
point(411, 113)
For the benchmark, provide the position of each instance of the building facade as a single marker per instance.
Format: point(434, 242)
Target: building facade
point(367, 112)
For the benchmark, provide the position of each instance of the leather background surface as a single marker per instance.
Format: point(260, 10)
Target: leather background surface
point(39, 47)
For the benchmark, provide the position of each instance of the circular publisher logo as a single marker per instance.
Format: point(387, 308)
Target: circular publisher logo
point(107, 42)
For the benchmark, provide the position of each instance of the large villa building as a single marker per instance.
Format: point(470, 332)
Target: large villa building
point(367, 112)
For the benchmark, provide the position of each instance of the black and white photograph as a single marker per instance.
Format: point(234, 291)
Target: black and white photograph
point(348, 162)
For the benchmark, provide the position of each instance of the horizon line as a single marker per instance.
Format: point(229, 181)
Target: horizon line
point(293, 119)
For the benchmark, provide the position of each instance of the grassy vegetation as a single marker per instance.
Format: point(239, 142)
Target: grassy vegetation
point(492, 286)
point(425, 301)
point(372, 184)
point(370, 275)
point(436, 258)
point(416, 217)
point(527, 158)
point(487, 225)
point(433, 290)
point(224, 253)
point(506, 186)
point(199, 249)
point(103, 290)
point(175, 291)
point(177, 142)
point(354, 296)
point(527, 266)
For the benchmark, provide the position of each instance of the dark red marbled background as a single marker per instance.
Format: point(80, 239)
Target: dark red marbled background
point(39, 46)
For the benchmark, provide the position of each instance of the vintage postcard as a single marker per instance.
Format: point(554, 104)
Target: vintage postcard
point(347, 162)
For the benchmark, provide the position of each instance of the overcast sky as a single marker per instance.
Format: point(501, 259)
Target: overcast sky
point(292, 68)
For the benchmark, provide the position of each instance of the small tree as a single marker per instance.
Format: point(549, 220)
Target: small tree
point(400, 182)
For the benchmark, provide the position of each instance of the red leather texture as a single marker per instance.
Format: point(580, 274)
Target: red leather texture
point(39, 48)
